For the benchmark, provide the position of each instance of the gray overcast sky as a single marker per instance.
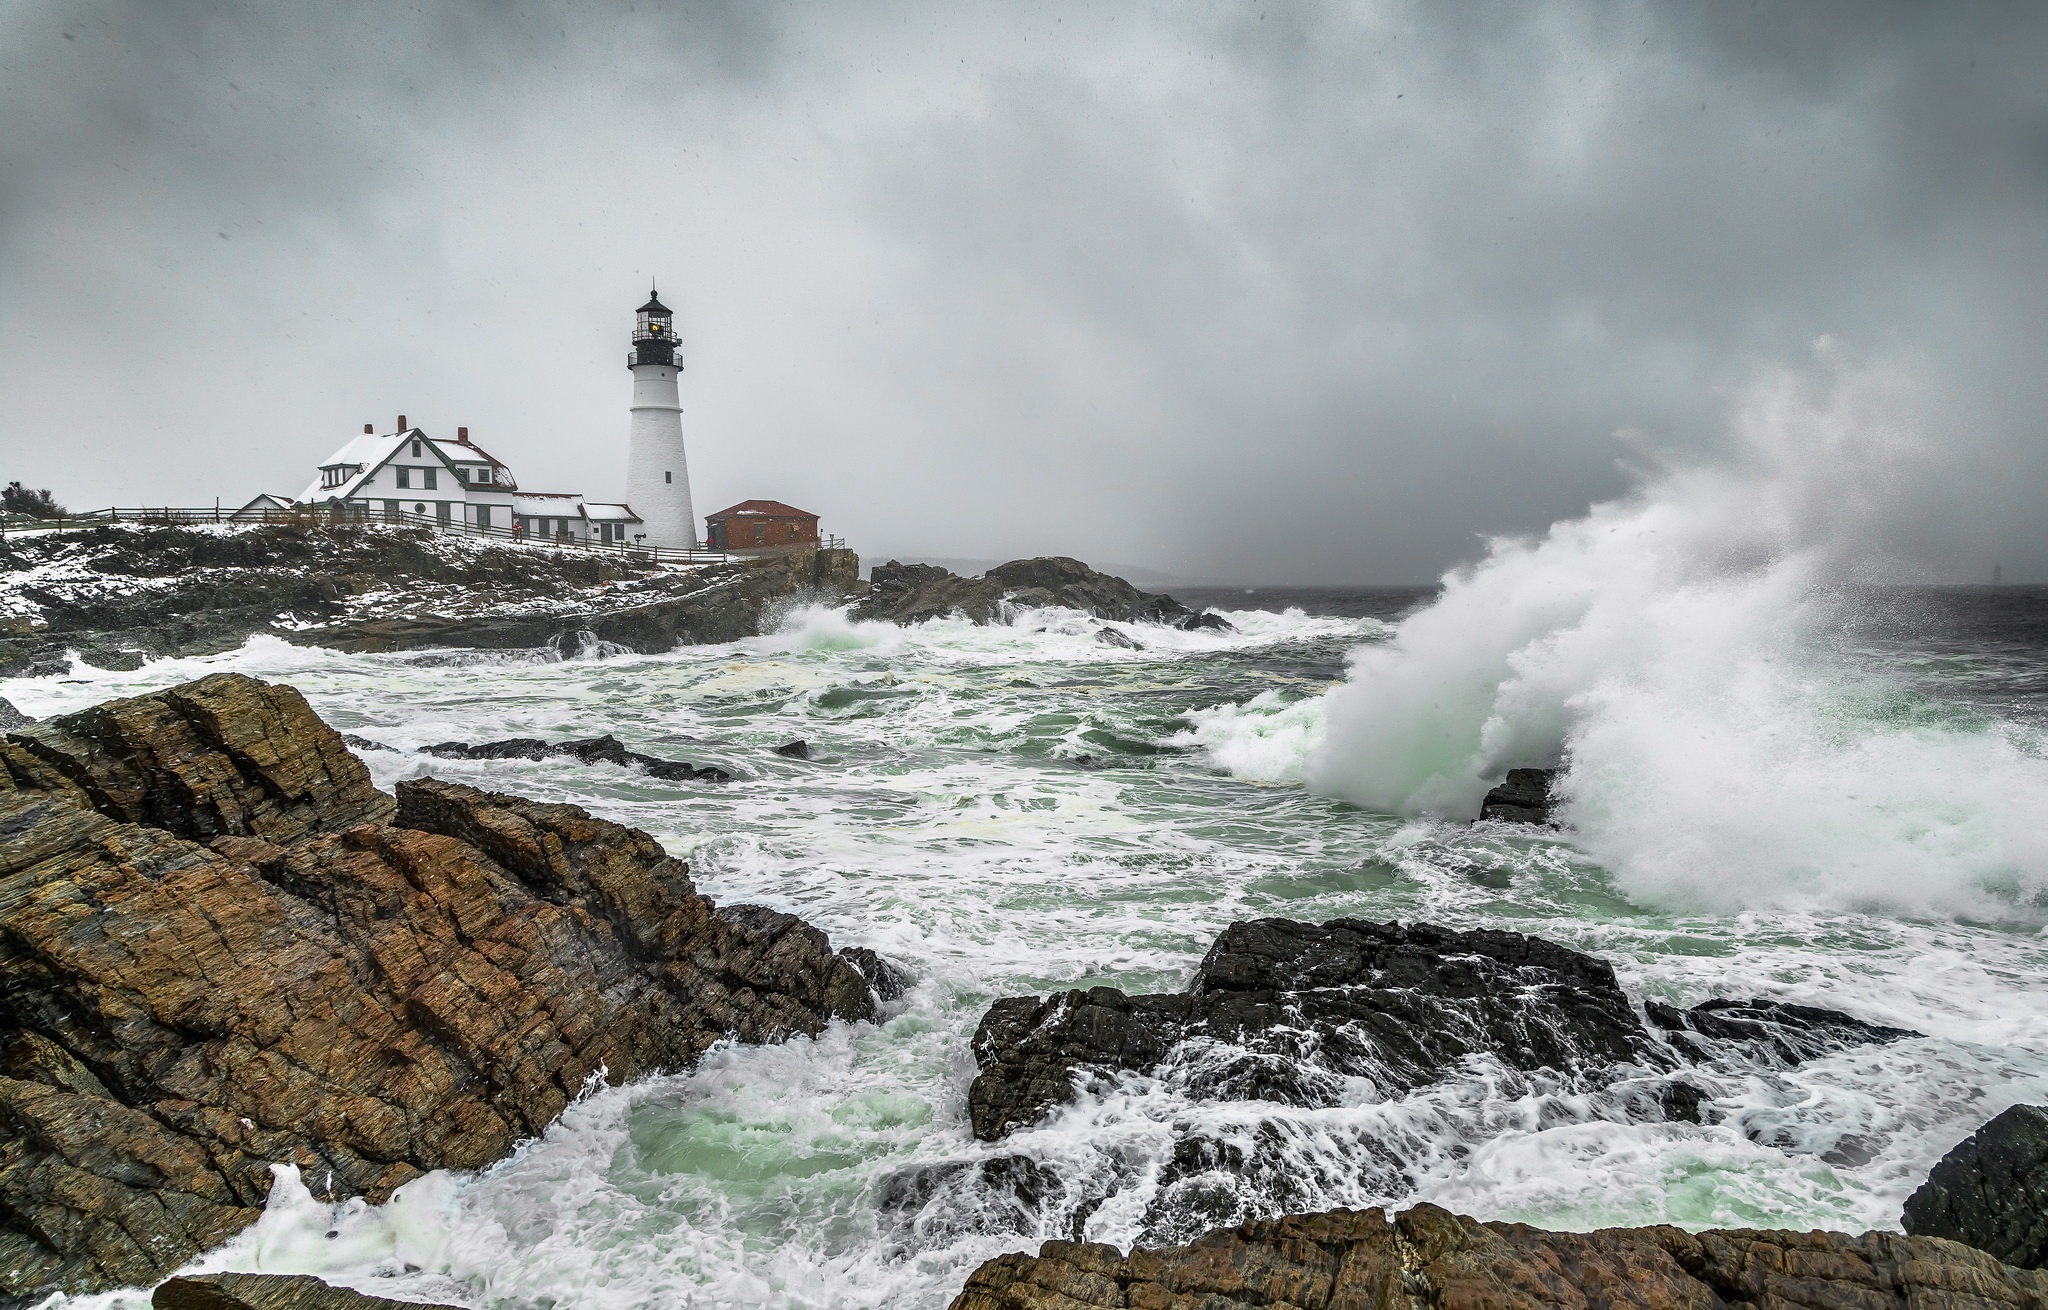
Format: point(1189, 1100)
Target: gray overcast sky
point(1265, 292)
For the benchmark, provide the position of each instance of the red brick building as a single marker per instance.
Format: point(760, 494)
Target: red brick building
point(759, 525)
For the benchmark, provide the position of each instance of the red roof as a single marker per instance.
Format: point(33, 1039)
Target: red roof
point(767, 509)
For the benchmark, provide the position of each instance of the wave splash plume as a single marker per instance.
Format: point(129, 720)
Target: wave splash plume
point(1684, 652)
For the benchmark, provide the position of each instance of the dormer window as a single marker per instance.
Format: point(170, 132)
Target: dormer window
point(483, 475)
point(415, 449)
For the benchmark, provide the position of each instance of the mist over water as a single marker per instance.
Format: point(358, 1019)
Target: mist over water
point(1783, 783)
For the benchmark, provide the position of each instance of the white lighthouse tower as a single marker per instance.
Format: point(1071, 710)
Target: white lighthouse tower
point(657, 479)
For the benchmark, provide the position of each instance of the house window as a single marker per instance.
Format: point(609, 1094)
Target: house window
point(404, 476)
point(419, 509)
point(483, 516)
point(440, 510)
point(668, 477)
point(415, 450)
point(390, 509)
point(432, 476)
point(483, 475)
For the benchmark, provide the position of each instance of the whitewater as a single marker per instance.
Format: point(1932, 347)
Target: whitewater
point(1781, 781)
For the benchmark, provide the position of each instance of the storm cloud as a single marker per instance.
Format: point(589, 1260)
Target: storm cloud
point(1280, 292)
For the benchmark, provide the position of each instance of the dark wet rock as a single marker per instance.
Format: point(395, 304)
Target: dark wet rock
point(1074, 585)
point(1288, 1012)
point(12, 718)
point(888, 979)
point(1206, 621)
point(1088, 762)
point(114, 661)
point(269, 1292)
point(1992, 1190)
point(1224, 1174)
point(1680, 1102)
point(1118, 638)
point(221, 947)
point(1285, 1011)
point(1523, 798)
point(913, 593)
point(932, 1205)
point(583, 644)
point(795, 750)
point(33, 665)
point(1770, 1033)
point(356, 743)
point(1429, 1257)
point(591, 750)
point(917, 593)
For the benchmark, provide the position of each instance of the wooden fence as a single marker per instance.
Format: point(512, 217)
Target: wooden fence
point(335, 516)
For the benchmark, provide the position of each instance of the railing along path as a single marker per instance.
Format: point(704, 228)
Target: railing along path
point(332, 517)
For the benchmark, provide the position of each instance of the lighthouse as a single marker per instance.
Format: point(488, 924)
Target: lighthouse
point(657, 479)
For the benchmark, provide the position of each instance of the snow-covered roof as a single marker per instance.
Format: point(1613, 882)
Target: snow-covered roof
point(550, 504)
point(773, 509)
point(468, 452)
point(366, 452)
point(609, 513)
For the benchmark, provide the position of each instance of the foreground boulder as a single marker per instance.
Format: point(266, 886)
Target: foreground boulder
point(221, 947)
point(269, 1292)
point(1429, 1257)
point(914, 593)
point(1992, 1190)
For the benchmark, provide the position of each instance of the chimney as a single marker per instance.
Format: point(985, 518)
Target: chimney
point(368, 429)
point(401, 423)
point(462, 435)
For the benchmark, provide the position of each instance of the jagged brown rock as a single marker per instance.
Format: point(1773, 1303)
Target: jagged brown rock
point(364, 988)
point(269, 1292)
point(1430, 1259)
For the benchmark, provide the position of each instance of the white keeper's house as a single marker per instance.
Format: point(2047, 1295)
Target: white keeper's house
point(407, 476)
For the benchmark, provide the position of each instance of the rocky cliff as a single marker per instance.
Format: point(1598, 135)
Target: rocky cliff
point(221, 947)
point(1429, 1259)
point(121, 592)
